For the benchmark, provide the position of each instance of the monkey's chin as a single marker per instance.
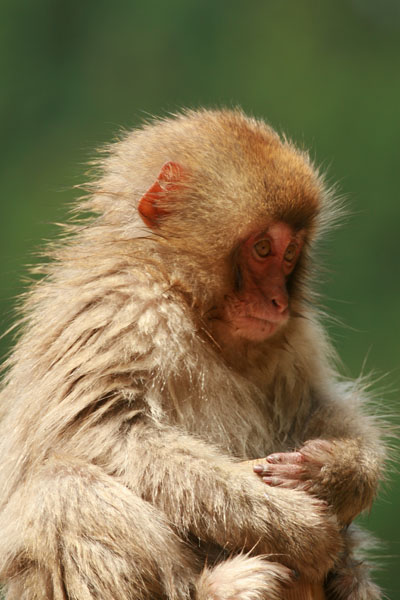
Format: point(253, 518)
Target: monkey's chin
point(255, 329)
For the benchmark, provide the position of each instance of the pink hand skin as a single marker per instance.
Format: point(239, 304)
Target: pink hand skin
point(294, 470)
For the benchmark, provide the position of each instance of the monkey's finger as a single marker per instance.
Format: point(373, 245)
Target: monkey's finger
point(291, 484)
point(286, 457)
point(280, 470)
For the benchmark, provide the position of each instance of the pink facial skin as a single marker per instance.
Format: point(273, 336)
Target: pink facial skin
point(260, 304)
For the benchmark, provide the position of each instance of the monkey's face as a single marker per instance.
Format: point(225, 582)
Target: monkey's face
point(259, 303)
point(242, 294)
point(251, 299)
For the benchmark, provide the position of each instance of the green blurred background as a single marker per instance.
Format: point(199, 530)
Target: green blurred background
point(325, 72)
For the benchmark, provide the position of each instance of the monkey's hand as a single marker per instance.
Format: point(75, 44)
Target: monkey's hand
point(334, 471)
point(297, 470)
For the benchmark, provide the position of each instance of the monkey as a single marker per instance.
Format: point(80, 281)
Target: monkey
point(173, 337)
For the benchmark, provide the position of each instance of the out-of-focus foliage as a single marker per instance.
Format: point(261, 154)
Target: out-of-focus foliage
point(327, 73)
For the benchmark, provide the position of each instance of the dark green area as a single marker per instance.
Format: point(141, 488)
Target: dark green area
point(327, 73)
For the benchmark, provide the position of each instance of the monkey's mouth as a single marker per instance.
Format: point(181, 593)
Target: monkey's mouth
point(256, 328)
point(251, 325)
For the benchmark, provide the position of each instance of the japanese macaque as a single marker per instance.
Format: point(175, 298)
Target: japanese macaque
point(172, 340)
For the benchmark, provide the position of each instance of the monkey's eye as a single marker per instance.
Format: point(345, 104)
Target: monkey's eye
point(290, 252)
point(262, 248)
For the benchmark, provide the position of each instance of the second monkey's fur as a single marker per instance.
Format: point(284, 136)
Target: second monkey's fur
point(126, 415)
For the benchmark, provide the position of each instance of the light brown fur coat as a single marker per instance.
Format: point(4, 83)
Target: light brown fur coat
point(125, 419)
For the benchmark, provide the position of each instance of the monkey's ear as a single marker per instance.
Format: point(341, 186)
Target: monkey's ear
point(153, 204)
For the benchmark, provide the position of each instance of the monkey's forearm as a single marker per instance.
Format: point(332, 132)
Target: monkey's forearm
point(193, 484)
point(204, 493)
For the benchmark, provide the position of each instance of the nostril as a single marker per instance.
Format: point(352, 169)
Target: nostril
point(281, 305)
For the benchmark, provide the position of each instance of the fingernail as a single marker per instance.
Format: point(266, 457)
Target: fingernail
point(258, 468)
point(272, 458)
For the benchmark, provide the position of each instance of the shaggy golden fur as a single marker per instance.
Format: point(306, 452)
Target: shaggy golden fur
point(127, 413)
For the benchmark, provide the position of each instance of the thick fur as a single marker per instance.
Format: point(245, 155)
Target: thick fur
point(247, 578)
point(126, 412)
point(350, 578)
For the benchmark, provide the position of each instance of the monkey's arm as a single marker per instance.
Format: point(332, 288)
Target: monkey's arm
point(341, 460)
point(203, 493)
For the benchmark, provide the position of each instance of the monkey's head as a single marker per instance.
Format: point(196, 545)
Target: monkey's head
point(231, 209)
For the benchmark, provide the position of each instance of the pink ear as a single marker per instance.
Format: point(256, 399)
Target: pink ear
point(152, 204)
